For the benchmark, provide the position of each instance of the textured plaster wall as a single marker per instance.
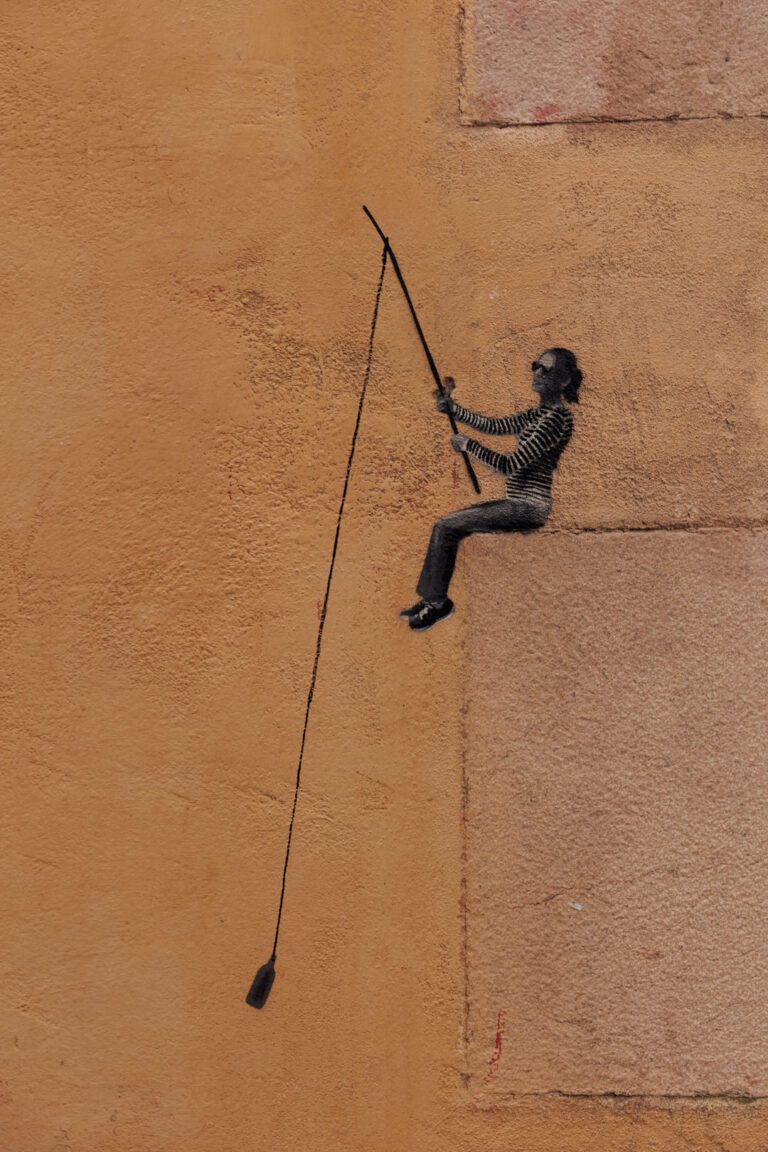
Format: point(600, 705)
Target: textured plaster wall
point(188, 283)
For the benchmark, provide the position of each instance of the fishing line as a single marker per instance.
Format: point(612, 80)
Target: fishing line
point(259, 991)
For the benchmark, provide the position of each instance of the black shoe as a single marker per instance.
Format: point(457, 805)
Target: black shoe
point(428, 615)
point(409, 613)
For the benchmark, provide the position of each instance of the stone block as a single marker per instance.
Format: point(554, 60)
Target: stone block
point(560, 60)
point(617, 846)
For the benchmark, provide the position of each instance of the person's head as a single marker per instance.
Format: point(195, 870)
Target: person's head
point(556, 374)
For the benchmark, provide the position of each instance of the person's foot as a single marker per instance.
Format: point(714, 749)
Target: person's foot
point(429, 615)
point(409, 613)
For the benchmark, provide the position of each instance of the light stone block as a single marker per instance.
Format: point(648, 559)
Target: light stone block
point(560, 60)
point(616, 763)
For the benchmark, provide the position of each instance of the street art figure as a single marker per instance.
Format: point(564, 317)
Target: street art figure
point(543, 433)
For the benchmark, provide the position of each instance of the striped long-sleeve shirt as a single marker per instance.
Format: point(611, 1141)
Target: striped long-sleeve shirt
point(542, 433)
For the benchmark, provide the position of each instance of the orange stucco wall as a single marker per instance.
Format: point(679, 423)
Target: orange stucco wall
point(185, 312)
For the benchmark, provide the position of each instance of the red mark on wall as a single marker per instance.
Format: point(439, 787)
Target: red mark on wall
point(493, 1063)
point(487, 110)
point(546, 112)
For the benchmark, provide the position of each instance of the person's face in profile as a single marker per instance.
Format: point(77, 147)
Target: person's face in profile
point(544, 372)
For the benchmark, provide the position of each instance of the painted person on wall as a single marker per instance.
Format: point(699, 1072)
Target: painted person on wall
point(542, 434)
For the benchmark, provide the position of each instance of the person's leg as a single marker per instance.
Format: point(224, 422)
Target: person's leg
point(447, 534)
point(494, 516)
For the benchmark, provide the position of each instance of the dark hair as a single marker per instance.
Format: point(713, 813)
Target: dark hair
point(567, 360)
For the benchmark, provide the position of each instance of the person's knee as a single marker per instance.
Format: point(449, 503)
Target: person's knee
point(457, 524)
point(443, 529)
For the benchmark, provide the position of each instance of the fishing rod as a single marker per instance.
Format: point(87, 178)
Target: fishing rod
point(422, 338)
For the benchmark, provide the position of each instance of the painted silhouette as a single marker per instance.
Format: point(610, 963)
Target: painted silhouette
point(542, 435)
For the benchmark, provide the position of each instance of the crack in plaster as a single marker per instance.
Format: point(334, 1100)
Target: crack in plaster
point(690, 1097)
point(461, 31)
point(471, 122)
point(714, 526)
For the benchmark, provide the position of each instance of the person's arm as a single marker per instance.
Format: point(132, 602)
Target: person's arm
point(490, 425)
point(549, 431)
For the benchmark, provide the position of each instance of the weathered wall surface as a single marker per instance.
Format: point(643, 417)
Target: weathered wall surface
point(185, 307)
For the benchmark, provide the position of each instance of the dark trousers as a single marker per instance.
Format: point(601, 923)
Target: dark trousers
point(494, 516)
